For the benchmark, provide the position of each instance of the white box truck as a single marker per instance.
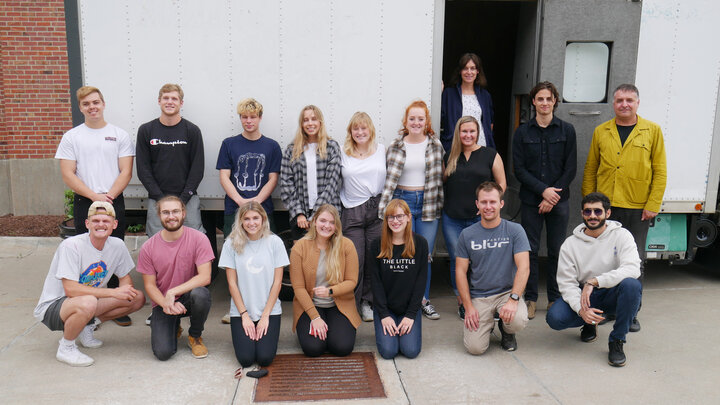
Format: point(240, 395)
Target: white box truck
point(378, 56)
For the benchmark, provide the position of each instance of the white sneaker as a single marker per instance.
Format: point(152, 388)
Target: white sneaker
point(72, 356)
point(366, 311)
point(226, 319)
point(87, 339)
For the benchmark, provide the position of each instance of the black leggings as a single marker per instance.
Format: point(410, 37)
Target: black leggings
point(340, 338)
point(250, 351)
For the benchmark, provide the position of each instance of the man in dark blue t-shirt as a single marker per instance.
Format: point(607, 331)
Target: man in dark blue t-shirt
point(496, 252)
point(249, 165)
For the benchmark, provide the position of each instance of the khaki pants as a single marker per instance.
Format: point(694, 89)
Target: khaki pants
point(477, 342)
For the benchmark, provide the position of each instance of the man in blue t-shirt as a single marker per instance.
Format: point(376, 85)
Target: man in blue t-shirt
point(249, 165)
point(497, 253)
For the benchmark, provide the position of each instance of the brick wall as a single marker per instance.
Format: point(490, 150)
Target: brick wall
point(35, 105)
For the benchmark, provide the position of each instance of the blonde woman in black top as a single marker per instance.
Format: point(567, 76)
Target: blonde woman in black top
point(467, 165)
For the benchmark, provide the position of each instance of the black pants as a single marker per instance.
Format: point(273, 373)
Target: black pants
point(163, 327)
point(340, 338)
point(555, 223)
point(296, 232)
point(81, 205)
point(261, 351)
point(631, 219)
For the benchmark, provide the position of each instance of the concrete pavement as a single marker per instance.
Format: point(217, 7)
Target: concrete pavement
point(675, 358)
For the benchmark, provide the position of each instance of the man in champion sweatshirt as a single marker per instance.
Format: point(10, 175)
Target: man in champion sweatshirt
point(597, 276)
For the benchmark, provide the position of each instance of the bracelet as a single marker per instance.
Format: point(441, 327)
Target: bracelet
point(243, 313)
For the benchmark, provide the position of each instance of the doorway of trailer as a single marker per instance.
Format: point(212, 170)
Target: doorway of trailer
point(504, 35)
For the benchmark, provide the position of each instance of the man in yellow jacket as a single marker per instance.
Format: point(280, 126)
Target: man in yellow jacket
point(626, 162)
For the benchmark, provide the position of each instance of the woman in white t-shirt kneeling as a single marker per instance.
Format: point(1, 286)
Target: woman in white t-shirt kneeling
point(254, 258)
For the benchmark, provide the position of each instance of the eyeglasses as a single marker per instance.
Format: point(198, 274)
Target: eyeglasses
point(166, 213)
point(589, 211)
point(398, 217)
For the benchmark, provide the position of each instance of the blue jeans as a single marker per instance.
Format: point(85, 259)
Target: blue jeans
point(426, 229)
point(451, 228)
point(622, 300)
point(409, 344)
point(163, 327)
point(556, 222)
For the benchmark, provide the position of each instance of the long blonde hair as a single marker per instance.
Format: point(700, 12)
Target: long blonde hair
point(386, 245)
point(332, 253)
point(456, 148)
point(301, 137)
point(359, 118)
point(238, 235)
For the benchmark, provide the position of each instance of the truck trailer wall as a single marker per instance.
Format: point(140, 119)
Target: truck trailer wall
point(344, 57)
point(678, 74)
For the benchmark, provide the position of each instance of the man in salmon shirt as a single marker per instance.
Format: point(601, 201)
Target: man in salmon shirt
point(176, 265)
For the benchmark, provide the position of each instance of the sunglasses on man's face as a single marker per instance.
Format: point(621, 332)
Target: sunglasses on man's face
point(590, 211)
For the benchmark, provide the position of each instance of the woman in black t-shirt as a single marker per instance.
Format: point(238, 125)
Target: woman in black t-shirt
point(398, 266)
point(467, 165)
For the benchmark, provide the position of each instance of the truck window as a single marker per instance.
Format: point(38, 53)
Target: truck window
point(586, 70)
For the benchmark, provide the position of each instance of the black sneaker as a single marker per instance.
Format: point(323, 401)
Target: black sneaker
point(588, 333)
point(429, 311)
point(461, 311)
point(507, 340)
point(616, 356)
point(123, 321)
point(635, 325)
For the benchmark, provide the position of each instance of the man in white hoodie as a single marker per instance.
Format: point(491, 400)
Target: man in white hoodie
point(597, 276)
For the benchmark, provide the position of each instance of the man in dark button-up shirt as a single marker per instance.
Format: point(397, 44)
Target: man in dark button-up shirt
point(544, 160)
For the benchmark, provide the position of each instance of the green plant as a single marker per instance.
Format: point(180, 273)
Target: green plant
point(135, 228)
point(69, 204)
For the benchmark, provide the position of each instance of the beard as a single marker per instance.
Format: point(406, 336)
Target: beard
point(172, 228)
point(600, 224)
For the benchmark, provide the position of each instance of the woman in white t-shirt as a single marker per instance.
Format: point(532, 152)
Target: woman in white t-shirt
point(310, 171)
point(253, 259)
point(363, 174)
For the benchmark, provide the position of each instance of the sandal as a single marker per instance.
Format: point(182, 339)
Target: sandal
point(257, 373)
point(238, 373)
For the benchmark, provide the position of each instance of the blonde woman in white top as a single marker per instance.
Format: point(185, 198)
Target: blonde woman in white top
point(363, 174)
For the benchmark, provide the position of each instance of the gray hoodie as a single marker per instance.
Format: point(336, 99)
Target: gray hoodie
point(611, 258)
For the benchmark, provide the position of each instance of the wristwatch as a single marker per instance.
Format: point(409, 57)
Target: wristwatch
point(514, 297)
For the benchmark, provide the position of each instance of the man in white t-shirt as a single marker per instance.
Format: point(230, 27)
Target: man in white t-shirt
point(74, 296)
point(96, 164)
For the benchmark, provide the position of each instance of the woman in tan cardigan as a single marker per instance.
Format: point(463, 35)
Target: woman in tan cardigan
point(324, 272)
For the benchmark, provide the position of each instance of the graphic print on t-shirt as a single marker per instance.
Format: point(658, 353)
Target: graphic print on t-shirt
point(490, 243)
point(94, 275)
point(249, 172)
point(399, 265)
point(251, 268)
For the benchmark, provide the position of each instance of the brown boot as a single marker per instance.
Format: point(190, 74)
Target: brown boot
point(199, 351)
point(532, 306)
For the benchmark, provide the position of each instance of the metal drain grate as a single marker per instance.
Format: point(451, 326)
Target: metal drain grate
point(295, 377)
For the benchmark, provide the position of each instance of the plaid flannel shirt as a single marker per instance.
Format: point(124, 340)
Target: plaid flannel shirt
point(293, 181)
point(433, 193)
